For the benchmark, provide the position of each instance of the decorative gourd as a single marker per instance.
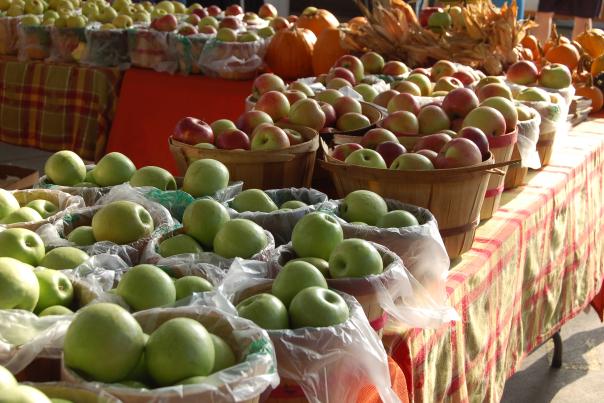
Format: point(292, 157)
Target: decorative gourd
point(328, 50)
point(289, 55)
point(592, 92)
point(597, 65)
point(317, 19)
point(592, 42)
point(530, 42)
point(564, 53)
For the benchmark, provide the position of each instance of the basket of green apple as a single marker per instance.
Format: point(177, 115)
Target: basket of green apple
point(259, 153)
point(34, 207)
point(107, 45)
point(276, 210)
point(326, 349)
point(209, 235)
point(34, 38)
point(68, 39)
point(9, 31)
point(185, 354)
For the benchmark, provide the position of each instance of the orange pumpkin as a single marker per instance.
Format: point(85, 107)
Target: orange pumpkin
point(593, 93)
point(328, 50)
point(357, 21)
point(564, 53)
point(592, 42)
point(597, 66)
point(530, 42)
point(289, 54)
point(317, 19)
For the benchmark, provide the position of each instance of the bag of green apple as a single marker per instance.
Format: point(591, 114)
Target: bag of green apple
point(96, 276)
point(281, 223)
point(330, 364)
point(89, 194)
point(528, 136)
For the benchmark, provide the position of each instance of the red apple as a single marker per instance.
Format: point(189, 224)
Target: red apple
point(341, 72)
point(431, 155)
point(523, 72)
point(353, 64)
point(279, 23)
point(233, 140)
point(294, 95)
point(208, 30)
point(213, 10)
point(269, 137)
point(420, 70)
point(330, 114)
point(267, 11)
point(442, 68)
point(373, 62)
point(231, 22)
point(345, 105)
point(425, 13)
point(274, 103)
point(465, 77)
point(507, 109)
point(487, 119)
point(267, 82)
point(193, 19)
point(432, 119)
point(233, 9)
point(459, 102)
point(394, 68)
point(401, 123)
point(389, 150)
point(249, 120)
point(187, 29)
point(407, 87)
point(340, 152)
point(200, 12)
point(457, 153)
point(456, 124)
point(193, 131)
point(478, 137)
point(434, 142)
point(494, 90)
point(294, 136)
point(377, 136)
point(165, 23)
point(307, 112)
point(404, 102)
point(383, 98)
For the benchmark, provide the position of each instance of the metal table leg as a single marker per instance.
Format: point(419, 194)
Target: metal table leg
point(557, 357)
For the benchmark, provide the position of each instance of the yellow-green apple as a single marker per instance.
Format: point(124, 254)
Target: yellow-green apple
point(487, 119)
point(367, 92)
point(22, 214)
point(430, 154)
point(179, 8)
point(253, 200)
point(166, 5)
point(338, 83)
point(412, 162)
point(556, 76)
point(440, 20)
point(279, 23)
point(407, 87)
point(23, 393)
point(51, 14)
point(266, 32)
point(303, 87)
point(224, 357)
point(394, 68)
point(65, 168)
point(7, 380)
point(383, 98)
point(373, 63)
point(464, 77)
point(293, 278)
point(403, 102)
point(205, 177)
point(15, 10)
point(103, 342)
point(447, 84)
point(55, 289)
point(267, 10)
point(64, 257)
point(153, 176)
point(193, 19)
point(329, 95)
point(269, 137)
point(202, 219)
point(478, 137)
point(179, 244)
point(330, 114)
point(249, 120)
point(432, 119)
point(341, 72)
point(82, 236)
point(274, 103)
point(76, 21)
point(44, 207)
point(459, 102)
point(434, 142)
point(316, 235)
point(247, 36)
point(233, 9)
point(355, 258)
point(489, 80)
point(397, 219)
point(113, 169)
point(230, 22)
point(523, 72)
point(20, 289)
point(106, 14)
point(376, 136)
point(146, 286)
point(507, 109)
point(363, 206)
point(524, 113)
point(401, 123)
point(533, 95)
point(352, 121)
point(267, 82)
point(35, 7)
point(308, 112)
point(265, 310)
point(294, 136)
point(214, 10)
point(108, 222)
point(390, 150)
point(22, 244)
point(226, 35)
point(8, 203)
point(194, 380)
point(220, 126)
point(459, 152)
point(188, 285)
point(422, 81)
point(494, 90)
point(208, 21)
point(207, 146)
point(442, 68)
point(120, 5)
point(353, 64)
point(194, 355)
point(293, 204)
point(318, 307)
point(123, 21)
point(341, 151)
point(55, 310)
point(239, 238)
point(187, 29)
point(30, 20)
point(346, 104)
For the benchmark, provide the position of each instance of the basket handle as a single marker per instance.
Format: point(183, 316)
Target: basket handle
point(496, 171)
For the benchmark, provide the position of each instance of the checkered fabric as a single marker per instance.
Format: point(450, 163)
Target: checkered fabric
point(535, 265)
point(57, 106)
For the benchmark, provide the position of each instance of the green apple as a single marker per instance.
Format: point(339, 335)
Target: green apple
point(222, 125)
point(51, 14)
point(103, 342)
point(142, 16)
point(106, 14)
point(355, 258)
point(55, 289)
point(76, 21)
point(295, 277)
point(123, 21)
point(367, 92)
point(366, 157)
point(317, 307)
point(20, 289)
point(82, 236)
point(6, 378)
point(8, 203)
point(153, 176)
point(56, 310)
point(321, 264)
point(140, 373)
point(187, 285)
point(247, 36)
point(122, 222)
point(35, 7)
point(22, 244)
point(179, 244)
point(266, 32)
point(316, 235)
point(44, 207)
point(113, 169)
point(23, 394)
point(224, 357)
point(166, 5)
point(226, 35)
point(146, 286)
point(180, 348)
point(253, 200)
point(240, 238)
point(209, 20)
point(205, 177)
point(364, 206)
point(265, 310)
point(397, 219)
point(65, 168)
point(63, 258)
point(202, 219)
point(194, 380)
point(14, 11)
point(293, 204)
point(30, 20)
point(23, 214)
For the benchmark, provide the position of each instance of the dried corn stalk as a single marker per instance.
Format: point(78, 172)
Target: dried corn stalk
point(482, 36)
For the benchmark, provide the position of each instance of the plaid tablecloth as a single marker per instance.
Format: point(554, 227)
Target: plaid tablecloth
point(535, 265)
point(57, 106)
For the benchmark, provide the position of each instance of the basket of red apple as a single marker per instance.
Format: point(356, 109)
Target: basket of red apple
point(185, 354)
point(276, 210)
point(149, 47)
point(210, 235)
point(257, 152)
point(325, 347)
point(32, 208)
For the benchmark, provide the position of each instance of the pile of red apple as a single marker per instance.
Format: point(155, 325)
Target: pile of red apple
point(555, 76)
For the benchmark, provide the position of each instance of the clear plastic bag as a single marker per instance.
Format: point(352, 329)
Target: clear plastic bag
point(67, 44)
point(9, 35)
point(73, 393)
point(281, 223)
point(232, 60)
point(188, 51)
point(149, 49)
point(34, 42)
point(528, 135)
point(107, 48)
point(243, 382)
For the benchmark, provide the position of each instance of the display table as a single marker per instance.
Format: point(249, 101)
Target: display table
point(535, 265)
point(57, 106)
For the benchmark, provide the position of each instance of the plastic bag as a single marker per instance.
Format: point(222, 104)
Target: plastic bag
point(73, 393)
point(149, 49)
point(245, 381)
point(67, 44)
point(282, 223)
point(232, 60)
point(107, 48)
point(528, 135)
point(9, 35)
point(34, 42)
point(331, 364)
point(188, 51)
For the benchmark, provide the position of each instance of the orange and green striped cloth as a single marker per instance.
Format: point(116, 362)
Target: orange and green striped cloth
point(533, 266)
point(57, 106)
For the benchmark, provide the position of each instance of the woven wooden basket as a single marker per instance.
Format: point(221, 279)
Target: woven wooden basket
point(290, 167)
point(545, 145)
point(516, 175)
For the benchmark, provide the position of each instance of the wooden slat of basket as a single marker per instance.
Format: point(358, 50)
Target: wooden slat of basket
point(516, 175)
point(495, 187)
point(545, 145)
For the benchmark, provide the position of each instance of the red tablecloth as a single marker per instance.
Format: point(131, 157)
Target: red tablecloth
point(151, 103)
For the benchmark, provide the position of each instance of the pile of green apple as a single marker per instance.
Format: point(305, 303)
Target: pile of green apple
point(256, 200)
point(11, 212)
point(364, 207)
point(11, 391)
point(105, 343)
